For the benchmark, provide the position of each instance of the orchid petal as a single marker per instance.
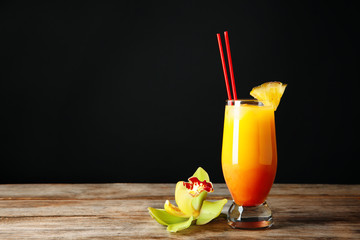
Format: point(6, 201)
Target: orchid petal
point(163, 217)
point(180, 226)
point(209, 211)
point(198, 201)
point(201, 174)
point(174, 210)
point(184, 200)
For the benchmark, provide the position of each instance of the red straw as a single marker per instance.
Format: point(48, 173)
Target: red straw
point(224, 66)
point(230, 64)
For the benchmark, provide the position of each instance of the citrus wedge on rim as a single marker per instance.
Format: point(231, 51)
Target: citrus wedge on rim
point(269, 93)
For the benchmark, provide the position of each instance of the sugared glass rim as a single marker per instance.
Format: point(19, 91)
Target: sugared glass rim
point(250, 101)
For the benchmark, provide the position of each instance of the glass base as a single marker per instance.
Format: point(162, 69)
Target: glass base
point(257, 217)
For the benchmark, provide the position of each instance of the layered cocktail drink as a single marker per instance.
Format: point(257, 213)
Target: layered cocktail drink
point(249, 161)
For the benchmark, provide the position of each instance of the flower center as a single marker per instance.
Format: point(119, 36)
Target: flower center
point(195, 186)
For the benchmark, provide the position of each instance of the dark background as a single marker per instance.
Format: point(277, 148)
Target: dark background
point(125, 91)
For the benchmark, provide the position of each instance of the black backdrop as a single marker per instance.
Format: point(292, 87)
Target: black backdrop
point(123, 91)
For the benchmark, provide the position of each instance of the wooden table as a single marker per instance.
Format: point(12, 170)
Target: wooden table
point(119, 211)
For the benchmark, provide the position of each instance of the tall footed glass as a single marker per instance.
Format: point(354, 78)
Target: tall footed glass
point(249, 161)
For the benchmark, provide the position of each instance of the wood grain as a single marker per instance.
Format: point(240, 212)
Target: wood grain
point(119, 211)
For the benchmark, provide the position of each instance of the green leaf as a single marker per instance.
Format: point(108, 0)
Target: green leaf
point(180, 226)
point(163, 217)
point(209, 211)
point(201, 174)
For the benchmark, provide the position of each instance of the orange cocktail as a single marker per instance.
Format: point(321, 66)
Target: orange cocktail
point(249, 161)
point(249, 156)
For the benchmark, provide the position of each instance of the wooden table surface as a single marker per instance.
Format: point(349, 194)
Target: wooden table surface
point(119, 211)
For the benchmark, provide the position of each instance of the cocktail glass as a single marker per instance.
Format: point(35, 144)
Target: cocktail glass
point(249, 161)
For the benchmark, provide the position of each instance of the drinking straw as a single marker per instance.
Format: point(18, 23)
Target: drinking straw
point(224, 66)
point(226, 35)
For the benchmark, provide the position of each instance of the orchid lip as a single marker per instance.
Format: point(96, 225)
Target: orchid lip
point(195, 186)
